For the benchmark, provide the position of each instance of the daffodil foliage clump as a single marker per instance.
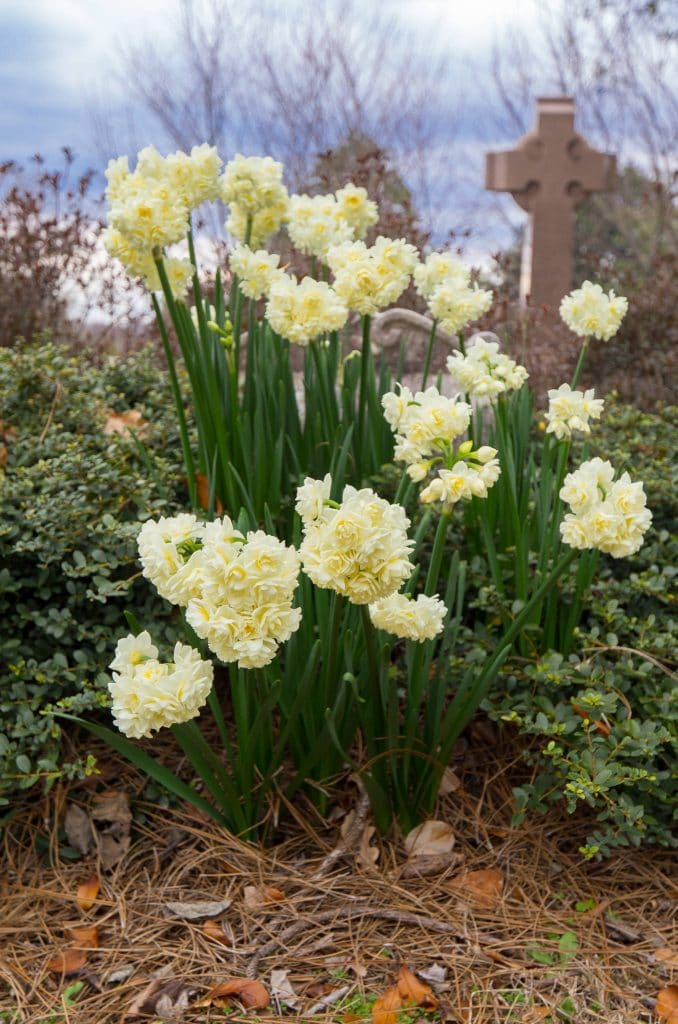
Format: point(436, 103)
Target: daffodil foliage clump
point(332, 616)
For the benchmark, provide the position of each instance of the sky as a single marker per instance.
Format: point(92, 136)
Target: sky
point(60, 58)
point(57, 55)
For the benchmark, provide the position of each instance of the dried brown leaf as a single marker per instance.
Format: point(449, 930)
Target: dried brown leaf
point(78, 828)
point(413, 991)
point(667, 1005)
point(203, 492)
point(112, 806)
point(449, 783)
point(282, 990)
point(112, 809)
point(84, 938)
point(69, 961)
point(484, 887)
point(367, 855)
point(123, 422)
point(423, 867)
point(257, 896)
point(430, 839)
point(386, 1009)
point(536, 1014)
point(197, 910)
point(163, 997)
point(88, 892)
point(215, 931)
point(252, 994)
point(667, 956)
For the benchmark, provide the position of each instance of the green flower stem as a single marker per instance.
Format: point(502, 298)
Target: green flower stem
point(211, 771)
point(236, 312)
point(550, 549)
point(197, 291)
point(437, 554)
point(506, 451)
point(585, 573)
point(429, 354)
point(365, 361)
point(580, 363)
point(176, 392)
point(329, 669)
point(373, 694)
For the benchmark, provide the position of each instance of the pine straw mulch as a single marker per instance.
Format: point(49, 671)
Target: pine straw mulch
point(336, 923)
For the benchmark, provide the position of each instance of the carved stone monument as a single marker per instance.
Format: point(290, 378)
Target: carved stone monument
point(549, 173)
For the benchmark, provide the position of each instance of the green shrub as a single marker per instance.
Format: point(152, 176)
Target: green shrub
point(70, 502)
point(604, 720)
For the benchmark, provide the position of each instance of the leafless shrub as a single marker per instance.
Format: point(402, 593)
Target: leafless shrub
point(54, 275)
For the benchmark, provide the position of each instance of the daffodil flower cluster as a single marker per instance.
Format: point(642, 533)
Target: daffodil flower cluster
point(237, 590)
point(302, 312)
point(445, 283)
point(607, 514)
point(317, 223)
point(425, 424)
point(253, 188)
point(148, 694)
point(370, 278)
point(484, 371)
point(470, 475)
point(255, 269)
point(569, 411)
point(149, 208)
point(411, 619)
point(360, 212)
point(359, 548)
point(589, 312)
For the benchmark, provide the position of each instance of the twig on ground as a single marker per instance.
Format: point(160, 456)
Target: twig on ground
point(349, 841)
point(381, 913)
point(329, 1000)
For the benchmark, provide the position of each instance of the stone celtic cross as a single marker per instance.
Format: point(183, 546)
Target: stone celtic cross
point(549, 173)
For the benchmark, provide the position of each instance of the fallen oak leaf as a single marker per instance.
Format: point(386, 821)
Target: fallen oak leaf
point(112, 808)
point(449, 783)
point(203, 493)
point(667, 956)
point(282, 990)
point(430, 839)
point(436, 974)
point(408, 991)
point(257, 896)
point(84, 938)
point(88, 892)
point(252, 994)
point(215, 931)
point(78, 829)
point(414, 991)
point(162, 997)
point(69, 961)
point(197, 910)
point(485, 886)
point(536, 1014)
point(423, 867)
point(367, 855)
point(667, 1005)
point(386, 1009)
point(124, 422)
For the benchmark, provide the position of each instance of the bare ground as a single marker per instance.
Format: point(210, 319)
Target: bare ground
point(336, 922)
